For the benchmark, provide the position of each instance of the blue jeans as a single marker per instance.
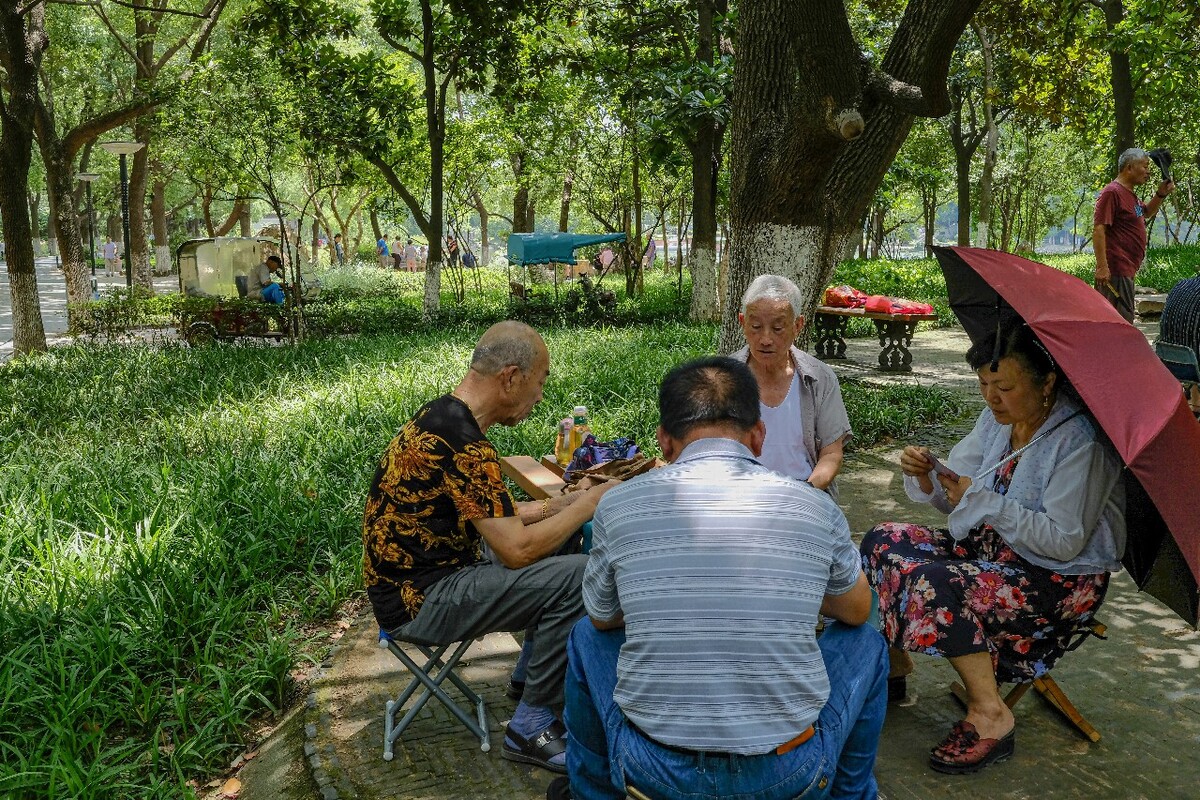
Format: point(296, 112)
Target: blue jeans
point(604, 750)
point(273, 293)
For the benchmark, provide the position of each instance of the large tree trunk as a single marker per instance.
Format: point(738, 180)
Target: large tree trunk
point(814, 131)
point(706, 166)
point(59, 183)
point(24, 44)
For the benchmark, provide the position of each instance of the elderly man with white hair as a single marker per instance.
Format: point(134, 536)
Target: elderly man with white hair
point(1119, 228)
point(800, 399)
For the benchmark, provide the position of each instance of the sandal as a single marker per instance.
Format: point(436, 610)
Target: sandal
point(537, 750)
point(963, 752)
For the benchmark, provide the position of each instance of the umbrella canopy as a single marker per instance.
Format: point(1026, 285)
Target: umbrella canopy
point(553, 248)
point(1135, 400)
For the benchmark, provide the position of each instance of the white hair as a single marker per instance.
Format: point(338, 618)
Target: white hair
point(773, 287)
point(1131, 155)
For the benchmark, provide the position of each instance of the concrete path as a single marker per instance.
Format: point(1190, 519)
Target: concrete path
point(52, 294)
point(1140, 688)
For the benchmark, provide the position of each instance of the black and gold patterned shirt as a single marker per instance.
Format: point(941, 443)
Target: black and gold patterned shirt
point(438, 474)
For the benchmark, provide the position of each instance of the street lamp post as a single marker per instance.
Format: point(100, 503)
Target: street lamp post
point(87, 178)
point(124, 149)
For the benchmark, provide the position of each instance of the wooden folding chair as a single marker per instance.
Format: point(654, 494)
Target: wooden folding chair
point(1049, 689)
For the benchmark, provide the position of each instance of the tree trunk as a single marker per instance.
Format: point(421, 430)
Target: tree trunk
point(814, 132)
point(24, 43)
point(139, 184)
point(1122, 80)
point(374, 215)
point(633, 278)
point(59, 180)
point(435, 122)
point(564, 209)
point(244, 219)
point(992, 145)
point(481, 210)
point(706, 166)
point(158, 220)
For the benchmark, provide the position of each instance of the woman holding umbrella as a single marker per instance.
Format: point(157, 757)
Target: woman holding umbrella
point(1036, 524)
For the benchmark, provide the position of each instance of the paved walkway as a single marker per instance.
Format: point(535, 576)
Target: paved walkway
point(1140, 688)
point(52, 294)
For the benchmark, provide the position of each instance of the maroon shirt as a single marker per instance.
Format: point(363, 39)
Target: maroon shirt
point(1124, 216)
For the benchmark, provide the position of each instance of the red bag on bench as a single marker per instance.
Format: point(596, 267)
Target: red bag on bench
point(844, 297)
point(878, 304)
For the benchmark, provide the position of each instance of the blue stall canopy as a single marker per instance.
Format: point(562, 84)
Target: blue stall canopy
point(553, 248)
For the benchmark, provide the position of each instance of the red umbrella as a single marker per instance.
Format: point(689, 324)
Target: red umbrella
point(1129, 392)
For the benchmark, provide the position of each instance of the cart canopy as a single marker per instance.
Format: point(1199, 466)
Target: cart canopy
point(553, 248)
point(210, 267)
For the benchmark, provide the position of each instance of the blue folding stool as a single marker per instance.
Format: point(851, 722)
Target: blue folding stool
point(437, 669)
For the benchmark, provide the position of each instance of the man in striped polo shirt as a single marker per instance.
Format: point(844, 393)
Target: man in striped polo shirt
point(699, 672)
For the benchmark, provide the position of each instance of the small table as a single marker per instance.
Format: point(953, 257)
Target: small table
point(537, 479)
point(895, 334)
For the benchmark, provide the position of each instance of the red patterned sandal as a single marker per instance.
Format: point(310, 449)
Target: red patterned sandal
point(963, 752)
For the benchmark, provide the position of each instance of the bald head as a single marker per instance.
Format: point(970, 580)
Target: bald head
point(507, 344)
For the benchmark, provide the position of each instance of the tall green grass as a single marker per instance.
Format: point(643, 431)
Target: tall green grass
point(176, 518)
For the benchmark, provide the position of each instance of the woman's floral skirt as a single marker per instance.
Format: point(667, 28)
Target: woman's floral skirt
point(942, 597)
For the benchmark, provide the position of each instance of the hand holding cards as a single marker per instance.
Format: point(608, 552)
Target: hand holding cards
point(940, 468)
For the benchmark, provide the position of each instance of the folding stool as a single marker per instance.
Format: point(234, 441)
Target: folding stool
point(436, 670)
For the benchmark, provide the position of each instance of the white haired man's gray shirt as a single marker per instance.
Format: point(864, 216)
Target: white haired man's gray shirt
point(719, 567)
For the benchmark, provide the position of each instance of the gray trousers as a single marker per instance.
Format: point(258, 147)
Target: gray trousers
point(1123, 300)
point(484, 598)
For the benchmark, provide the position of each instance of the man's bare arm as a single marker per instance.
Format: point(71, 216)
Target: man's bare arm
point(852, 607)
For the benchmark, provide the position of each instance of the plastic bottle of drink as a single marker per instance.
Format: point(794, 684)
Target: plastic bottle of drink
point(580, 430)
point(562, 442)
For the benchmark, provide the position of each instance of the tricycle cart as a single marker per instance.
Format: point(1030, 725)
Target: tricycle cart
point(214, 276)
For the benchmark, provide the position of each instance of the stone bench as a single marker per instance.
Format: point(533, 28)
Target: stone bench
point(895, 334)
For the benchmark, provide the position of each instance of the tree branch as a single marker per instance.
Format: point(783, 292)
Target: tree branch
point(896, 93)
point(90, 129)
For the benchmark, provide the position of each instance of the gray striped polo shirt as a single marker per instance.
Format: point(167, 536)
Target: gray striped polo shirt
point(719, 566)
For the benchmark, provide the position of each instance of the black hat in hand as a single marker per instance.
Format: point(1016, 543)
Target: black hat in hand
point(1162, 159)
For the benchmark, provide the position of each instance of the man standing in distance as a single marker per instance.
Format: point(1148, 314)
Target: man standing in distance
point(1119, 229)
point(438, 494)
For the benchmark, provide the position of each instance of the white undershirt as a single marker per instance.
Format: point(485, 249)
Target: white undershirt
point(783, 450)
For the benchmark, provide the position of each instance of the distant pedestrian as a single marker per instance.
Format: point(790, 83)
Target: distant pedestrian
point(110, 257)
point(649, 255)
point(397, 253)
point(606, 257)
point(1119, 229)
point(410, 256)
point(422, 257)
point(381, 250)
point(339, 250)
point(468, 260)
point(452, 251)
